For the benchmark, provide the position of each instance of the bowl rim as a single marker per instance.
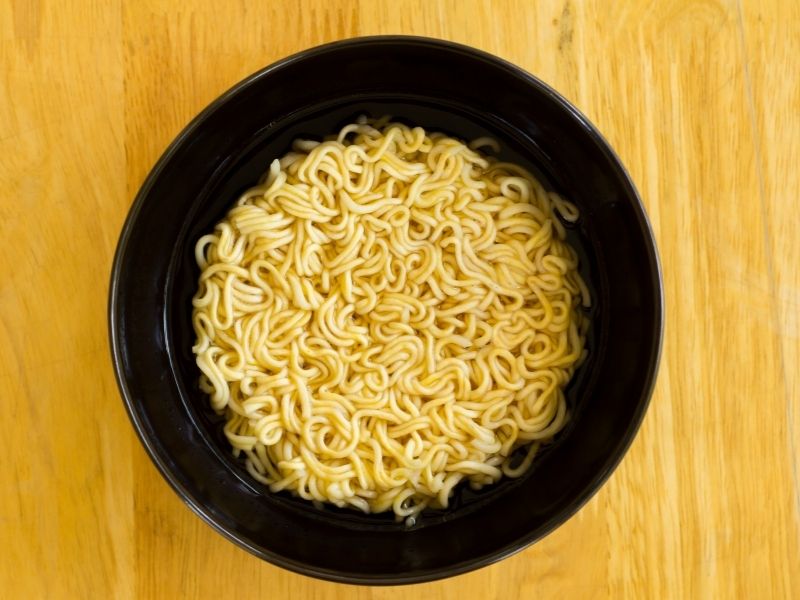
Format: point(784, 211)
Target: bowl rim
point(528, 538)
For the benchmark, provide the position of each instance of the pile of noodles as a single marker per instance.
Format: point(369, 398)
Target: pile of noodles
point(387, 314)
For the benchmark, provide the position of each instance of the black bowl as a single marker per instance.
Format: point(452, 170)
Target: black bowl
point(440, 86)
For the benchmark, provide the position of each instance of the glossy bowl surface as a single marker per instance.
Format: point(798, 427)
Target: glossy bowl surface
point(440, 86)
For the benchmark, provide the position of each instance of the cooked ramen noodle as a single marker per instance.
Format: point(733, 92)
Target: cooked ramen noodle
point(387, 314)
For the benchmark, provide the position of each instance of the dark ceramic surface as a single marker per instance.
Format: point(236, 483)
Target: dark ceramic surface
point(440, 86)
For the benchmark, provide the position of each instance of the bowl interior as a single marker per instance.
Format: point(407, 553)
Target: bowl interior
point(441, 87)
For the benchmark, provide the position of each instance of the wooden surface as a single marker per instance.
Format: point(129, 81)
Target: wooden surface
point(700, 99)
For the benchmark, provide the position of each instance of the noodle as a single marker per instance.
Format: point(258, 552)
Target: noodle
point(387, 314)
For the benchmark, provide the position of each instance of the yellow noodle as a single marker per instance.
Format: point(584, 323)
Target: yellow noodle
point(387, 314)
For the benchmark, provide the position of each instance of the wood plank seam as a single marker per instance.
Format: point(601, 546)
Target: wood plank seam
point(792, 435)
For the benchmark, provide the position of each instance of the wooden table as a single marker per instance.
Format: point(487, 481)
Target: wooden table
point(700, 99)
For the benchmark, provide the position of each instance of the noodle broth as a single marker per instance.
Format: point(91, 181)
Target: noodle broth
point(268, 145)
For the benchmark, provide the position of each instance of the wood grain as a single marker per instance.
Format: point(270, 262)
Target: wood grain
point(702, 102)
